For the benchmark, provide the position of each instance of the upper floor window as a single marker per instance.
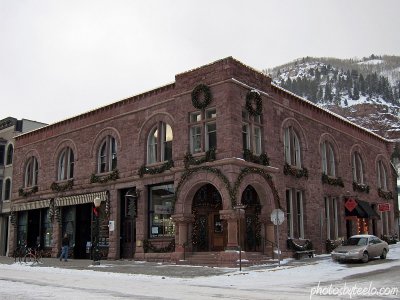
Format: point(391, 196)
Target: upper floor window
point(382, 178)
point(10, 153)
point(2, 152)
point(159, 143)
point(66, 164)
point(292, 147)
point(203, 130)
point(31, 172)
point(328, 159)
point(251, 133)
point(7, 189)
point(357, 165)
point(107, 156)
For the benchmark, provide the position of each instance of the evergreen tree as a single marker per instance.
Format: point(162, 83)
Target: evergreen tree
point(356, 92)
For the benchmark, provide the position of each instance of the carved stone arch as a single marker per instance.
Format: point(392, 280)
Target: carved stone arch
point(386, 164)
point(329, 138)
point(61, 146)
point(24, 161)
point(150, 122)
point(298, 129)
point(100, 137)
point(264, 186)
point(358, 148)
point(188, 189)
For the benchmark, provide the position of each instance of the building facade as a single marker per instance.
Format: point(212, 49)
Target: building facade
point(9, 128)
point(199, 165)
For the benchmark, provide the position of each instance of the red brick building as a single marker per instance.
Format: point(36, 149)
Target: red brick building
point(172, 164)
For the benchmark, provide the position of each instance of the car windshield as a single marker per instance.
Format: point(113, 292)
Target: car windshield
point(356, 241)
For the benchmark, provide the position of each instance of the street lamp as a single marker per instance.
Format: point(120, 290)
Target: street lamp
point(96, 231)
point(240, 207)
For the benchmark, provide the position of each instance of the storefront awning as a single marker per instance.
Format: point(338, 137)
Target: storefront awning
point(80, 199)
point(363, 210)
point(368, 209)
point(31, 205)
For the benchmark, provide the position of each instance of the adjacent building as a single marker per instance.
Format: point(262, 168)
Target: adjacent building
point(199, 165)
point(9, 128)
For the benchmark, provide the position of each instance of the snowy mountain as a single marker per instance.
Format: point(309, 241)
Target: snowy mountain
point(365, 91)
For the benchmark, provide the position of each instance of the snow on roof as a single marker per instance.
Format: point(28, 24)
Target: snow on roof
point(330, 112)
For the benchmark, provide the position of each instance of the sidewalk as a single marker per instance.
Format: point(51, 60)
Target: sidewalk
point(153, 268)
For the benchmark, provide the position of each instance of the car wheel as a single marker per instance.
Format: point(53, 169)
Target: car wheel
point(365, 257)
point(384, 253)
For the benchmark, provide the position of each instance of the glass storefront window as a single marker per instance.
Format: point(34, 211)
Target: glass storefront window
point(47, 230)
point(68, 225)
point(161, 208)
point(22, 228)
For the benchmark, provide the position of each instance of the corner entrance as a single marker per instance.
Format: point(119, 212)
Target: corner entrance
point(209, 231)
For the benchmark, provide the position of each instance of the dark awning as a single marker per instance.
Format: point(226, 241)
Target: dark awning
point(368, 209)
point(363, 210)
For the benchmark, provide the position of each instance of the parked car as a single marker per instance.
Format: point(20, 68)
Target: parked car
point(361, 247)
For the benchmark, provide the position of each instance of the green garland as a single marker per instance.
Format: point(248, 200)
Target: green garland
point(298, 173)
point(385, 195)
point(190, 160)
point(261, 159)
point(231, 190)
point(148, 246)
point(254, 96)
point(24, 193)
point(332, 181)
point(62, 187)
point(197, 91)
point(114, 175)
point(363, 188)
point(155, 170)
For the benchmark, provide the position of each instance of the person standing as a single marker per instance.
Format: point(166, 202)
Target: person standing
point(65, 248)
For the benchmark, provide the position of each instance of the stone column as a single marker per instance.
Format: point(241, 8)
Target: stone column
point(182, 222)
point(231, 217)
point(114, 236)
point(141, 220)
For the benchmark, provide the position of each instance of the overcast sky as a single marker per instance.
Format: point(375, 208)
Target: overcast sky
point(60, 58)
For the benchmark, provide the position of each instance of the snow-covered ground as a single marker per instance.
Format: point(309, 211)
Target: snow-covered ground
point(288, 281)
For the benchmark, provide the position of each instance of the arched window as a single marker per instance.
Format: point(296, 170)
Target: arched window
point(357, 164)
point(328, 159)
point(7, 189)
point(292, 147)
point(10, 153)
point(382, 178)
point(107, 156)
point(31, 172)
point(66, 164)
point(159, 143)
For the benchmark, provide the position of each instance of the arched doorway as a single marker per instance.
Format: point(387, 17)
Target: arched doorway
point(251, 226)
point(209, 230)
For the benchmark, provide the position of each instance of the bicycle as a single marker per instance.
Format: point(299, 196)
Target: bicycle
point(19, 253)
point(33, 254)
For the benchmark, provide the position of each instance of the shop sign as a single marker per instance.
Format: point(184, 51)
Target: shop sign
point(163, 209)
point(384, 206)
point(350, 204)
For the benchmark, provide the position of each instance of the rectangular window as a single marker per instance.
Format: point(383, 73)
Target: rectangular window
point(195, 117)
point(22, 234)
point(2, 154)
point(331, 218)
point(195, 139)
point(211, 136)
point(161, 208)
point(257, 140)
point(47, 230)
point(289, 213)
point(211, 114)
point(295, 213)
point(1, 189)
point(299, 207)
point(246, 136)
